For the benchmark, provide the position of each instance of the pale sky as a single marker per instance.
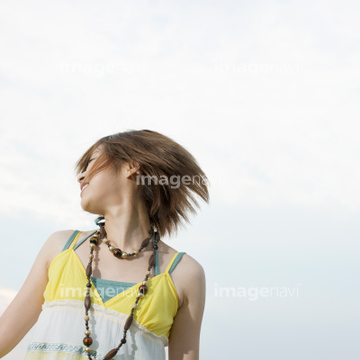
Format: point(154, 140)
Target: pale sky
point(264, 94)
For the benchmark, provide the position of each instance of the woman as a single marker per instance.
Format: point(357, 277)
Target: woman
point(118, 291)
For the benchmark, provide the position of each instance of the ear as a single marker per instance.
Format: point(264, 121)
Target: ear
point(131, 169)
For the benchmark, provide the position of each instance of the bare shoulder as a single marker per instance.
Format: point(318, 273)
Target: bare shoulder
point(184, 340)
point(192, 275)
point(55, 243)
point(187, 276)
point(187, 266)
point(59, 238)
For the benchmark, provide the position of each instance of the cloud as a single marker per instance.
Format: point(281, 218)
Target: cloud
point(268, 107)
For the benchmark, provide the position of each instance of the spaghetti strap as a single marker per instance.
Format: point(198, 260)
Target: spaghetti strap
point(174, 261)
point(75, 240)
point(70, 240)
point(86, 237)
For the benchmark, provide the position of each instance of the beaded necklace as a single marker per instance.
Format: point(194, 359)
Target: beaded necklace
point(101, 234)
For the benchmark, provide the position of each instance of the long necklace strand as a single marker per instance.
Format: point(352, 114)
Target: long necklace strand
point(142, 288)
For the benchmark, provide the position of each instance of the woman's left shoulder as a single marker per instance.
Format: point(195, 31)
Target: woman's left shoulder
point(190, 267)
point(186, 265)
point(188, 277)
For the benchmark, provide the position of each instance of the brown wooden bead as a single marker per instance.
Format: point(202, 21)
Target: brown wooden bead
point(88, 270)
point(157, 236)
point(94, 240)
point(102, 231)
point(145, 243)
point(117, 252)
point(128, 323)
point(143, 289)
point(111, 354)
point(87, 340)
point(87, 302)
point(152, 260)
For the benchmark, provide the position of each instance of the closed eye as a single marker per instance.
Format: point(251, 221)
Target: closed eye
point(87, 164)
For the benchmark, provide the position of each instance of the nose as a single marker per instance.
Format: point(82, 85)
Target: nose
point(81, 178)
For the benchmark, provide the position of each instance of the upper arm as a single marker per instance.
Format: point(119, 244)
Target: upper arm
point(25, 308)
point(185, 332)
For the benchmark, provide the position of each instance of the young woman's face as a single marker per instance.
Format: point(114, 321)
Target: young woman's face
point(104, 190)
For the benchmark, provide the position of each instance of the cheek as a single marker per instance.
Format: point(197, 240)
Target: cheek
point(93, 192)
point(105, 187)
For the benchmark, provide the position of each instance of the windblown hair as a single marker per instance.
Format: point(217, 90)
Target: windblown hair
point(159, 157)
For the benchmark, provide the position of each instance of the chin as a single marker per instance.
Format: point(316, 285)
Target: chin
point(90, 208)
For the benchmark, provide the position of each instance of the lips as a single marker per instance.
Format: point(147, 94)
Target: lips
point(84, 187)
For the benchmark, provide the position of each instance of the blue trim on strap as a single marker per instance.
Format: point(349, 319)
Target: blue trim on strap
point(70, 240)
point(177, 259)
point(79, 243)
point(157, 268)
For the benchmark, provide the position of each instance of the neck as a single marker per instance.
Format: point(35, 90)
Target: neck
point(126, 227)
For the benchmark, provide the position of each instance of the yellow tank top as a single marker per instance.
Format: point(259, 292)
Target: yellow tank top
point(59, 331)
point(67, 280)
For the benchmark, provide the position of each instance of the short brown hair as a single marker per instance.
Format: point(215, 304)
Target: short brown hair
point(160, 157)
